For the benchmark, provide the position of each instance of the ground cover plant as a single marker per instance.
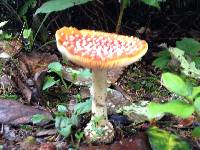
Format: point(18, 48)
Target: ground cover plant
point(48, 100)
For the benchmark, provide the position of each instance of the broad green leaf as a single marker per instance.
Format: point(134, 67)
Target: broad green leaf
point(161, 62)
point(63, 125)
point(62, 108)
point(38, 118)
point(175, 84)
point(197, 105)
point(58, 5)
point(187, 67)
point(189, 45)
point(195, 92)
point(164, 53)
point(85, 73)
point(175, 107)
point(49, 82)
point(74, 119)
point(55, 67)
point(196, 132)
point(83, 107)
point(153, 3)
point(27, 33)
point(163, 140)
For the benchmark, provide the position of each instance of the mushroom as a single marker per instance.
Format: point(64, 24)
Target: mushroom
point(99, 51)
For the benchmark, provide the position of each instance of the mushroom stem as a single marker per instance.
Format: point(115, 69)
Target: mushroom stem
point(99, 93)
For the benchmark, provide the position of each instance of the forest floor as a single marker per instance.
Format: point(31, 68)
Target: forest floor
point(131, 88)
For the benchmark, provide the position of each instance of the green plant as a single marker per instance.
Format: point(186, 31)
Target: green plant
point(187, 103)
point(9, 95)
point(4, 35)
point(183, 58)
point(64, 122)
point(163, 140)
point(58, 5)
point(196, 132)
point(56, 68)
point(55, 6)
point(28, 35)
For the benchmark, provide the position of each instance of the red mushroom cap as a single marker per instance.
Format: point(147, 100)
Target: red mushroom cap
point(94, 49)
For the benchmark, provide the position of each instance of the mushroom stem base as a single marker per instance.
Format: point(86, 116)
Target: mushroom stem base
point(99, 134)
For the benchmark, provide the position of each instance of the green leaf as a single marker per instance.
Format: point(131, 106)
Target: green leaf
point(163, 140)
point(38, 118)
point(189, 45)
point(62, 108)
point(197, 61)
point(196, 132)
point(187, 67)
point(74, 119)
point(79, 135)
point(58, 5)
point(55, 67)
point(27, 33)
point(83, 107)
point(49, 82)
point(176, 84)
point(161, 62)
point(63, 125)
point(175, 107)
point(164, 53)
point(85, 73)
point(195, 92)
point(197, 105)
point(28, 4)
point(153, 3)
